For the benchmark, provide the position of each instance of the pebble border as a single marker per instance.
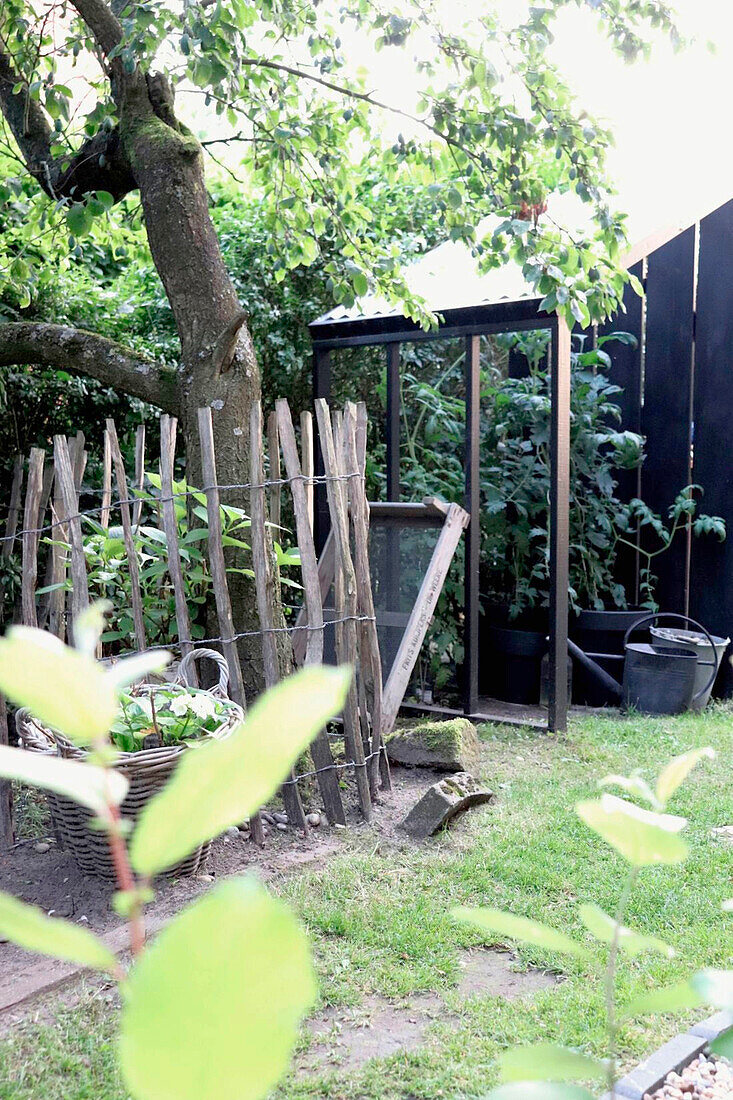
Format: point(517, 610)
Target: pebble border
point(651, 1074)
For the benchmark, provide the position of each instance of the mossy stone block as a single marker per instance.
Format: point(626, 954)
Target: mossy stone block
point(451, 746)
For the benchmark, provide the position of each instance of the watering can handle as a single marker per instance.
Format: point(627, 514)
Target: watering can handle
point(652, 618)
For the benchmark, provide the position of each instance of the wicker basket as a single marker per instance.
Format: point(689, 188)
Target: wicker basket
point(147, 771)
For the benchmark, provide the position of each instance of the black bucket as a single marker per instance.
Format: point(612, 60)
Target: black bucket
point(658, 680)
point(513, 664)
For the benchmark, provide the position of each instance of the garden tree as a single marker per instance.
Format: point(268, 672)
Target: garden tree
point(494, 127)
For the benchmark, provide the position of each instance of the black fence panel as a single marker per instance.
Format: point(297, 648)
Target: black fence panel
point(711, 591)
point(626, 372)
point(666, 409)
point(625, 359)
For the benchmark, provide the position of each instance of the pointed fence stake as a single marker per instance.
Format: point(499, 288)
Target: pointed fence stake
point(132, 563)
point(168, 426)
point(320, 748)
point(346, 647)
point(266, 590)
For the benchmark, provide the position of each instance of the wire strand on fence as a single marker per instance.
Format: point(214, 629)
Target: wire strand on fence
point(184, 493)
point(334, 768)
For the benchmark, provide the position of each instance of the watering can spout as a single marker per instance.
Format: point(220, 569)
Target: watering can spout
point(603, 678)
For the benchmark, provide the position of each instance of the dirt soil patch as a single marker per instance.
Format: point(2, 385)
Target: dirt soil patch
point(40, 873)
point(349, 1038)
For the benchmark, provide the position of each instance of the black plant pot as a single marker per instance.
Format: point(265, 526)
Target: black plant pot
point(510, 654)
point(600, 634)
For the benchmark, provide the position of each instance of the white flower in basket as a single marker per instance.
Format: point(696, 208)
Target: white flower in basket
point(203, 706)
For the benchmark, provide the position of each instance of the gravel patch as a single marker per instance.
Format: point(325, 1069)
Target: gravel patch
point(705, 1078)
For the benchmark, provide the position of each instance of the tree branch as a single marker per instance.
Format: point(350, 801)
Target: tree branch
point(71, 175)
point(79, 352)
point(102, 22)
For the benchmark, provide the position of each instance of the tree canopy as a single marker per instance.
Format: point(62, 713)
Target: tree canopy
point(493, 129)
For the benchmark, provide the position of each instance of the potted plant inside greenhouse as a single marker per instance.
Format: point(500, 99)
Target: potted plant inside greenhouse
point(515, 567)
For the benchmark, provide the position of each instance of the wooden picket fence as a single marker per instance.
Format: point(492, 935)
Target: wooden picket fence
point(51, 503)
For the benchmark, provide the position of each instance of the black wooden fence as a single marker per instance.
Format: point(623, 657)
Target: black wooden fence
point(678, 392)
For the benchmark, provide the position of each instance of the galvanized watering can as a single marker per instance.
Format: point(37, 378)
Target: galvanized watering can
point(658, 679)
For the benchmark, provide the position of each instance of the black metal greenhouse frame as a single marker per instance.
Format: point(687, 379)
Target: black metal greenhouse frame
point(329, 334)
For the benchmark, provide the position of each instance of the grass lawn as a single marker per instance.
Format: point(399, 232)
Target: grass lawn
point(377, 914)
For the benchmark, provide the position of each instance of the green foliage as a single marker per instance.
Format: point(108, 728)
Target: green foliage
point(108, 574)
point(32, 929)
point(643, 838)
point(547, 1062)
point(34, 668)
point(227, 781)
point(495, 131)
point(214, 1005)
point(606, 930)
point(669, 998)
point(682, 512)
point(86, 784)
point(165, 716)
point(539, 1090)
point(520, 928)
point(213, 1008)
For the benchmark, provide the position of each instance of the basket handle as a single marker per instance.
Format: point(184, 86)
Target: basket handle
point(222, 688)
point(32, 734)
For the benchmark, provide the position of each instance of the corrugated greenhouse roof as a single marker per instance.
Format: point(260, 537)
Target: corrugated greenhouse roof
point(448, 279)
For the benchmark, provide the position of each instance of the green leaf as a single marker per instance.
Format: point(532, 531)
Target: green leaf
point(723, 1045)
point(130, 669)
point(603, 927)
point(633, 785)
point(538, 1090)
point(84, 783)
point(221, 784)
point(675, 773)
point(89, 626)
point(671, 998)
point(499, 923)
point(715, 987)
point(643, 838)
point(79, 219)
point(63, 688)
point(548, 1062)
point(30, 928)
point(212, 1008)
point(360, 284)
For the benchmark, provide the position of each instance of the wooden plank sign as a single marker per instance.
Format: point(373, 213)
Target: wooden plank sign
point(422, 614)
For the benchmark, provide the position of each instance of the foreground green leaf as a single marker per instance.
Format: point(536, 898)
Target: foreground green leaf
point(30, 928)
point(603, 927)
point(548, 1062)
point(670, 998)
point(89, 626)
point(223, 783)
point(539, 1090)
point(673, 776)
point(723, 1045)
point(60, 686)
point(499, 923)
point(86, 784)
point(212, 1008)
point(715, 987)
point(128, 670)
point(643, 838)
point(633, 785)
